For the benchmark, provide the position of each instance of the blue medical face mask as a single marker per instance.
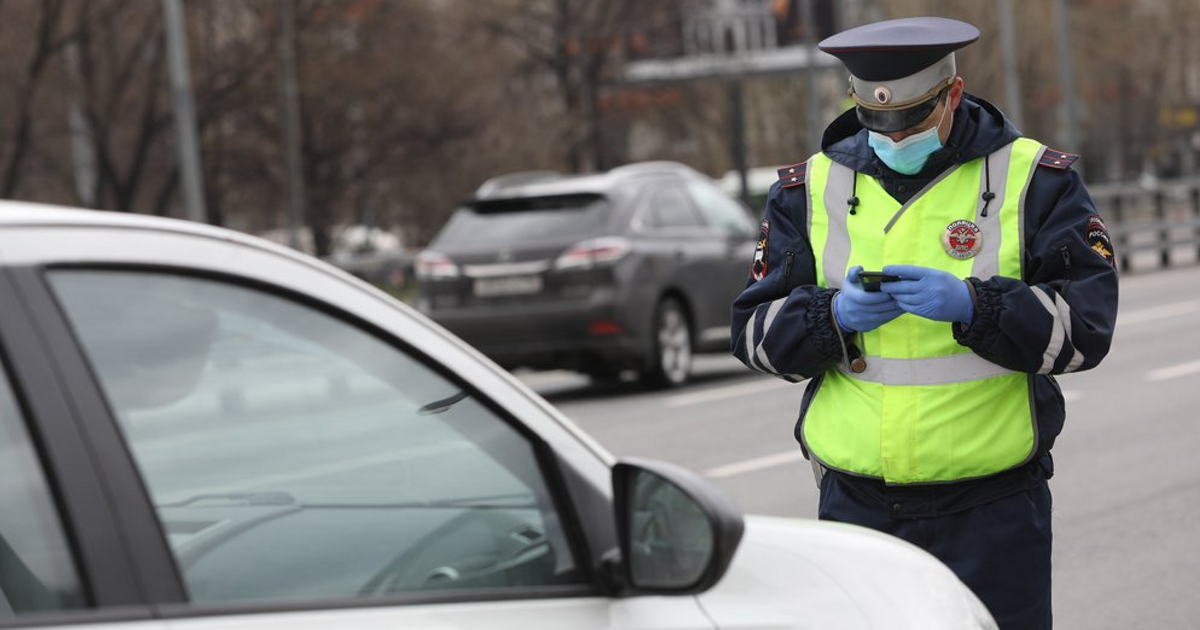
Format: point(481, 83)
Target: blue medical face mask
point(909, 155)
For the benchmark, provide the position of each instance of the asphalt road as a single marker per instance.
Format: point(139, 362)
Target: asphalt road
point(1126, 492)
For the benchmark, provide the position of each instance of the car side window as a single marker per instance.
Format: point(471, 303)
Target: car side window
point(668, 207)
point(294, 456)
point(37, 574)
point(720, 210)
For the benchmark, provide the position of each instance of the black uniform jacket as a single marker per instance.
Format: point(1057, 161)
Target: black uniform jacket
point(1068, 255)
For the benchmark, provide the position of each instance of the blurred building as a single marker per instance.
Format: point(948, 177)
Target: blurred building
point(690, 28)
point(706, 47)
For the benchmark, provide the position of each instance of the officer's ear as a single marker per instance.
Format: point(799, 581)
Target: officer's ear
point(956, 92)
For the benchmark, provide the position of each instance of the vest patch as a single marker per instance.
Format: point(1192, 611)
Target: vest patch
point(1097, 239)
point(962, 239)
point(758, 269)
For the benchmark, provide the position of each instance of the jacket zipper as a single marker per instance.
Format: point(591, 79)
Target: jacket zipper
point(1066, 257)
point(789, 257)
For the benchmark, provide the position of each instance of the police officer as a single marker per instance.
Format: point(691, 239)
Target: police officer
point(932, 403)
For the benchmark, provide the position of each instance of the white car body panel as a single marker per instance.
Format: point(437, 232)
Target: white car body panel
point(788, 574)
point(794, 573)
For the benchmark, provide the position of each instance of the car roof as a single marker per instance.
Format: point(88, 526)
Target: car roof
point(26, 214)
point(21, 214)
point(551, 184)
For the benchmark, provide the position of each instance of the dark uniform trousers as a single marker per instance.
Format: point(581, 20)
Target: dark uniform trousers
point(1001, 549)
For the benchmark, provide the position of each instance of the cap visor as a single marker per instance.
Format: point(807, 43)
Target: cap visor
point(893, 120)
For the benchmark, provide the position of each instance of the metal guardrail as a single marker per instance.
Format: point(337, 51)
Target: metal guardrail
point(1152, 226)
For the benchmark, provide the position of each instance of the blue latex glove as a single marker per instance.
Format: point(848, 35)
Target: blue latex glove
point(930, 293)
point(862, 311)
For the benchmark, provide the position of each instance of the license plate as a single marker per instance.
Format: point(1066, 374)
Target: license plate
point(508, 285)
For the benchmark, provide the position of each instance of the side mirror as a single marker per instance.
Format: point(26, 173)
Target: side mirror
point(677, 532)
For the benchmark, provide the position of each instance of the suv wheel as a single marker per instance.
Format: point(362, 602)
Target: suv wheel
point(670, 361)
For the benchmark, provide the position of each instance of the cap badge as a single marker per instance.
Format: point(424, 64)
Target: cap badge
point(962, 239)
point(883, 94)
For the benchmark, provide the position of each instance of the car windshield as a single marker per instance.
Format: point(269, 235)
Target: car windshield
point(532, 219)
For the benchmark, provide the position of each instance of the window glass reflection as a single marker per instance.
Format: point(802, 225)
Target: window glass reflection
point(36, 570)
point(292, 455)
point(672, 538)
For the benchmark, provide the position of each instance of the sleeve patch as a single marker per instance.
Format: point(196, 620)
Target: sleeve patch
point(792, 175)
point(1097, 239)
point(758, 269)
point(1058, 159)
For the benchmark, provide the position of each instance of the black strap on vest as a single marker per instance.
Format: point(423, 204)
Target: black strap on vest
point(988, 195)
point(853, 200)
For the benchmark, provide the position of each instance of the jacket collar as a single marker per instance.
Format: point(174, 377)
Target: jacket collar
point(979, 129)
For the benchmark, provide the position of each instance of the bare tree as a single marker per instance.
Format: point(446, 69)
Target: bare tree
point(377, 91)
point(408, 105)
point(578, 43)
point(232, 68)
point(37, 47)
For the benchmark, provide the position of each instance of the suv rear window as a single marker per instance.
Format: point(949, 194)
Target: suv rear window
point(523, 220)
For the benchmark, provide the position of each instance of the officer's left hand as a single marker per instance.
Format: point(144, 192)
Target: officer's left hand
point(930, 293)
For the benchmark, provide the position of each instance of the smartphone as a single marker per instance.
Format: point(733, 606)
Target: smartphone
point(872, 279)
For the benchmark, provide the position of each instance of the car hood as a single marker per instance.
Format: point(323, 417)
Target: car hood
point(793, 573)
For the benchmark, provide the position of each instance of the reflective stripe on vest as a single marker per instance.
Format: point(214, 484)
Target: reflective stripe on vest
point(926, 409)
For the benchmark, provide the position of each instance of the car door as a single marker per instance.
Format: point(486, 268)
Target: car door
point(732, 226)
point(309, 470)
point(688, 251)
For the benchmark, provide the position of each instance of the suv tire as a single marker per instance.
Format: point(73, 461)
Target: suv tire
point(669, 363)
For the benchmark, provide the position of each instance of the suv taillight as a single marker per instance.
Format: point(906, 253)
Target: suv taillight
point(432, 265)
point(595, 252)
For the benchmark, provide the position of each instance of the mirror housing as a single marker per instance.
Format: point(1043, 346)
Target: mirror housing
point(677, 533)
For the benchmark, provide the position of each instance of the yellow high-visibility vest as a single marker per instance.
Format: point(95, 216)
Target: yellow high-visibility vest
point(926, 409)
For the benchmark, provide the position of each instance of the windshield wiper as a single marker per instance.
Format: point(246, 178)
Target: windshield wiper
point(515, 500)
point(440, 406)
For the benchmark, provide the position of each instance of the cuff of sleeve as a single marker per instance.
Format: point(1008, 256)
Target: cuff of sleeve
point(987, 300)
point(820, 322)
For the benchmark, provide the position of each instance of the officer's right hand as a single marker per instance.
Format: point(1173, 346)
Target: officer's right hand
point(857, 310)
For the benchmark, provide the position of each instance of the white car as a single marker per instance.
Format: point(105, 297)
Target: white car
point(204, 430)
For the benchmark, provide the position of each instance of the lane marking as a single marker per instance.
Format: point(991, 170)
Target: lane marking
point(1174, 371)
point(551, 377)
point(752, 465)
point(721, 393)
point(1156, 313)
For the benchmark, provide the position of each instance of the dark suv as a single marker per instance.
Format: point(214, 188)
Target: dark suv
point(635, 268)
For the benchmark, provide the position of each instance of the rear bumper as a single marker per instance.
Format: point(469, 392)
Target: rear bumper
point(588, 335)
